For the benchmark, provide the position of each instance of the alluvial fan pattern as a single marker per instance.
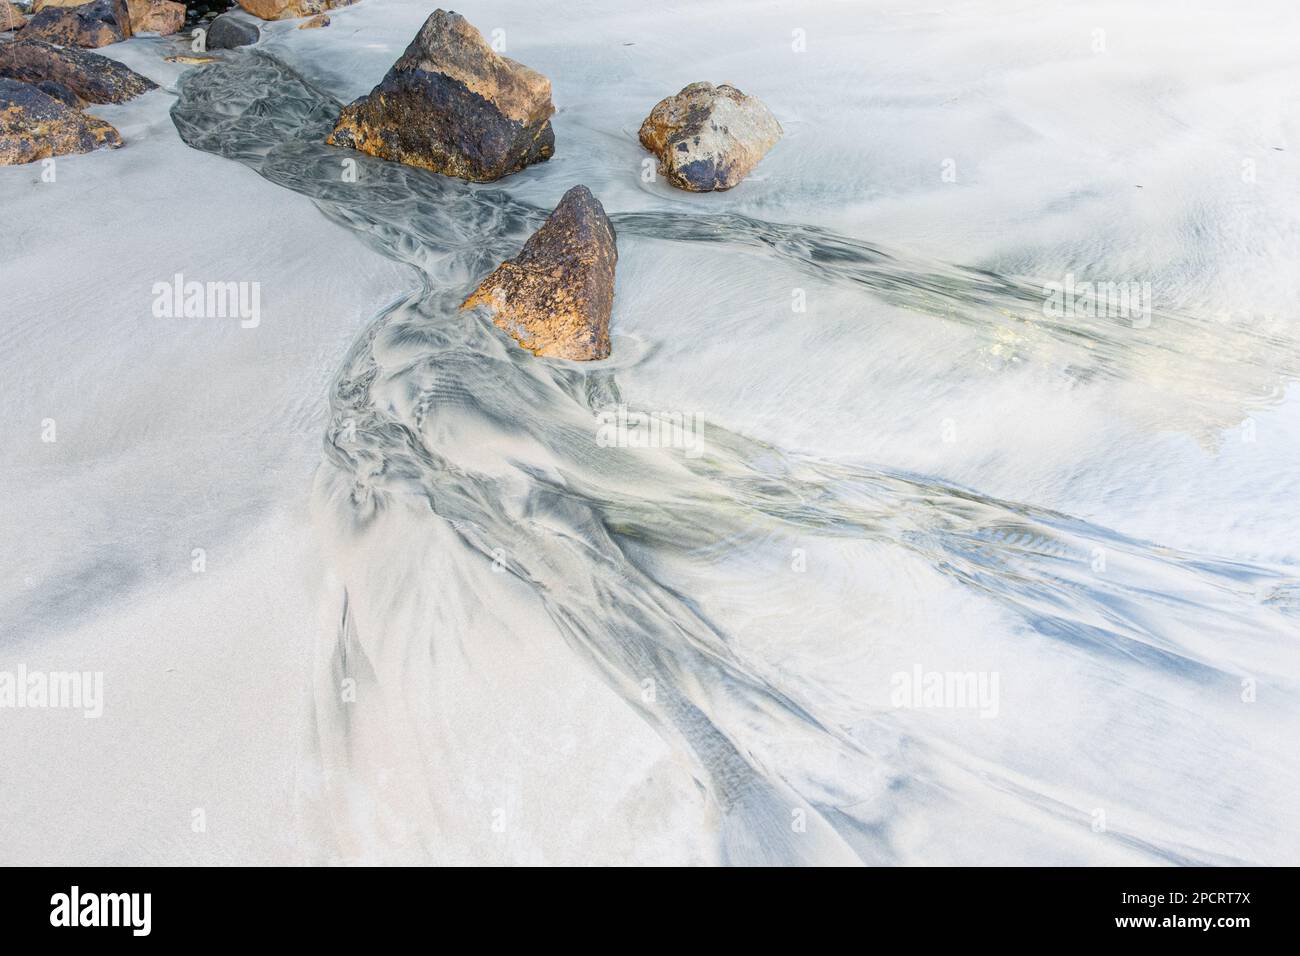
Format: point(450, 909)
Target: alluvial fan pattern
point(447, 445)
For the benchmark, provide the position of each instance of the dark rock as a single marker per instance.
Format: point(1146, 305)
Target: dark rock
point(34, 125)
point(93, 24)
point(555, 297)
point(228, 31)
point(709, 137)
point(198, 10)
point(453, 105)
point(91, 77)
point(60, 92)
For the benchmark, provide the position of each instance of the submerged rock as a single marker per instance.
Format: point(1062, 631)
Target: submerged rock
point(93, 24)
point(34, 125)
point(453, 105)
point(90, 77)
point(156, 16)
point(709, 137)
point(227, 32)
point(555, 297)
point(290, 9)
point(320, 20)
point(11, 18)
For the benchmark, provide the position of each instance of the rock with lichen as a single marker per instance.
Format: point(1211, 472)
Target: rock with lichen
point(709, 137)
point(315, 23)
point(453, 105)
point(90, 78)
point(555, 297)
point(93, 24)
point(290, 9)
point(34, 125)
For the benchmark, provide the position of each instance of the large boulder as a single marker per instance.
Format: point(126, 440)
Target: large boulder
point(228, 31)
point(554, 298)
point(11, 18)
point(709, 137)
point(88, 25)
point(453, 105)
point(36, 126)
point(156, 16)
point(290, 9)
point(91, 78)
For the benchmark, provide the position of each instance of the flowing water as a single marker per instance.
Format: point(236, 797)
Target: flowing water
point(457, 467)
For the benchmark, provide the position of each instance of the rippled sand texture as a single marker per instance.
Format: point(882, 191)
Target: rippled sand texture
point(462, 478)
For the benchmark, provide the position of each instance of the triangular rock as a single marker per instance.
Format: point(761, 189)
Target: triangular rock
point(555, 297)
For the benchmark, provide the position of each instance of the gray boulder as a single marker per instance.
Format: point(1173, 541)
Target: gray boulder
point(228, 31)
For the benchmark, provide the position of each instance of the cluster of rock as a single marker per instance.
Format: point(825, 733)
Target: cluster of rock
point(98, 23)
point(45, 89)
point(450, 104)
point(454, 105)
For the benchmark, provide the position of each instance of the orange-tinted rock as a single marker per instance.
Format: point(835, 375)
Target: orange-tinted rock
point(36, 126)
point(156, 16)
point(88, 25)
point(453, 105)
point(290, 9)
point(555, 297)
point(91, 78)
point(315, 23)
point(11, 18)
point(709, 137)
